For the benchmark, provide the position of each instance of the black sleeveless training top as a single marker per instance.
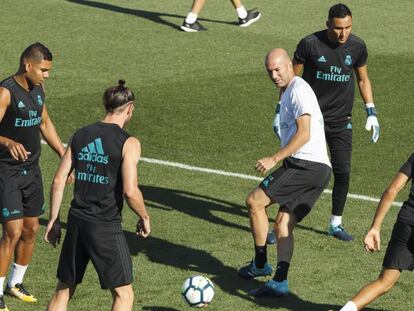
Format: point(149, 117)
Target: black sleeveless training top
point(97, 158)
point(22, 120)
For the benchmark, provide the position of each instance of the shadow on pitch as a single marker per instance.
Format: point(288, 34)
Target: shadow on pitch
point(196, 261)
point(195, 205)
point(295, 303)
point(201, 206)
point(311, 229)
point(155, 308)
point(156, 17)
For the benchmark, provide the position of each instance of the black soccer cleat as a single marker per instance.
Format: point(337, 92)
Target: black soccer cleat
point(20, 292)
point(194, 27)
point(3, 304)
point(251, 17)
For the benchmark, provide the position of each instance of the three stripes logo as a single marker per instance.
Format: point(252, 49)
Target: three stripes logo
point(94, 153)
point(21, 105)
point(322, 59)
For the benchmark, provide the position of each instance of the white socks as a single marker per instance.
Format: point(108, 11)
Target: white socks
point(336, 220)
point(241, 12)
point(349, 306)
point(17, 274)
point(191, 18)
point(2, 285)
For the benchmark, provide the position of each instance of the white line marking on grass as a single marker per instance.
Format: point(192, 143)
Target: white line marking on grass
point(248, 177)
point(242, 176)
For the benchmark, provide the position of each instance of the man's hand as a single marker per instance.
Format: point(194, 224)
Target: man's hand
point(372, 241)
point(17, 151)
point(265, 164)
point(276, 121)
point(71, 178)
point(143, 227)
point(372, 122)
point(53, 232)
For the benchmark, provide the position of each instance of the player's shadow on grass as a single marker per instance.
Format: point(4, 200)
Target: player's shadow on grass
point(195, 205)
point(201, 206)
point(155, 308)
point(295, 303)
point(318, 231)
point(201, 262)
point(157, 17)
point(196, 261)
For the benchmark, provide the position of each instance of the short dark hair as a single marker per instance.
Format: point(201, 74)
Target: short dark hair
point(36, 51)
point(117, 96)
point(339, 10)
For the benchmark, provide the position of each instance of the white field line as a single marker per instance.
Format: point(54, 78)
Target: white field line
point(242, 176)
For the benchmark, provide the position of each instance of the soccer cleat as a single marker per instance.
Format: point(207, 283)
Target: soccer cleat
point(251, 17)
point(251, 271)
point(3, 306)
point(194, 27)
point(271, 237)
point(20, 292)
point(340, 233)
point(271, 288)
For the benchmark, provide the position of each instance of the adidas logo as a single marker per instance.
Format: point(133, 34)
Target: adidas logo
point(94, 147)
point(322, 59)
point(21, 105)
point(93, 152)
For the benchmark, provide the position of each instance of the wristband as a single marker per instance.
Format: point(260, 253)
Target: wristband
point(370, 108)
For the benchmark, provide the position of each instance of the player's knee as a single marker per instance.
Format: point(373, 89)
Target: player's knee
point(253, 204)
point(249, 201)
point(125, 294)
point(386, 285)
point(30, 231)
point(12, 235)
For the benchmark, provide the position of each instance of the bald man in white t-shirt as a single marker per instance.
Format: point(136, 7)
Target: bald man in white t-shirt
point(297, 184)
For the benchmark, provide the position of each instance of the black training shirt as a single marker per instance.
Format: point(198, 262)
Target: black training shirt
point(21, 121)
point(328, 68)
point(407, 210)
point(97, 158)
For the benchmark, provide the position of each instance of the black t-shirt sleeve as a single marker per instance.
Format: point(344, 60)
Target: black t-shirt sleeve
point(407, 168)
point(363, 56)
point(302, 52)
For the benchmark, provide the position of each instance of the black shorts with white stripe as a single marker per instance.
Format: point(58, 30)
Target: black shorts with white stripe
point(296, 185)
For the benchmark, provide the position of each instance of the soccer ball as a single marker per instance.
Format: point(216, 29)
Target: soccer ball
point(198, 291)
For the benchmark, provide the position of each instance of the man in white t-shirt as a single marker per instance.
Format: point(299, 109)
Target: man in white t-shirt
point(297, 184)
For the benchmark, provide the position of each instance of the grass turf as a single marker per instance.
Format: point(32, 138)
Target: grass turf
point(205, 99)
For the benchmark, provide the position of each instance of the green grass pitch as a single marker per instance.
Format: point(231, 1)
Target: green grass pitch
point(205, 100)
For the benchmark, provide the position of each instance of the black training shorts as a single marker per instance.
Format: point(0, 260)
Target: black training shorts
point(102, 243)
point(296, 185)
point(21, 192)
point(400, 250)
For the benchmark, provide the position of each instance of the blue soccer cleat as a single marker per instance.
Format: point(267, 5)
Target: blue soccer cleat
point(271, 288)
point(251, 271)
point(340, 233)
point(271, 237)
